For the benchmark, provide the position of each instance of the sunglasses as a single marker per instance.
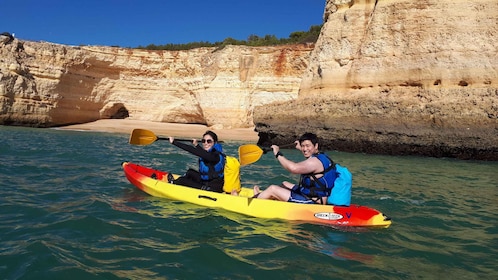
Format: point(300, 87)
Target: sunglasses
point(209, 141)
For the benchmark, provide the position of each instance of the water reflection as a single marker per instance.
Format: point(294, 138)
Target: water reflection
point(242, 238)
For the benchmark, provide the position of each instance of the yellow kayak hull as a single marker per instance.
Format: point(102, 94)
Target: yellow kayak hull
point(154, 183)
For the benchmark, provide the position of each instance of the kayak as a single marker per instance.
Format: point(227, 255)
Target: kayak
point(154, 183)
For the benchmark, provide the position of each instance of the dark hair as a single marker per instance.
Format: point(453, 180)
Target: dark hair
point(212, 134)
point(309, 136)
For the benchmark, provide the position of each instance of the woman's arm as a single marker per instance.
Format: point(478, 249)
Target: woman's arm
point(197, 150)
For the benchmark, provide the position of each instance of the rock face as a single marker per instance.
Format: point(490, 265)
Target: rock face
point(394, 77)
point(398, 77)
point(45, 84)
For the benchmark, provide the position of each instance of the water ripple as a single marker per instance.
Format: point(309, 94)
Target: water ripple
point(69, 212)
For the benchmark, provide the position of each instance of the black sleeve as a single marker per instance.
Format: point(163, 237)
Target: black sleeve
point(198, 151)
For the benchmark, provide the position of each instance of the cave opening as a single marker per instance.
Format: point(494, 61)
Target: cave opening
point(115, 111)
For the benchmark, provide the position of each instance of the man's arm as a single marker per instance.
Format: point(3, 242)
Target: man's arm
point(310, 165)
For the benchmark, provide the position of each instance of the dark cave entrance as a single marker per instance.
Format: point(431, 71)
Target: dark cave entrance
point(115, 111)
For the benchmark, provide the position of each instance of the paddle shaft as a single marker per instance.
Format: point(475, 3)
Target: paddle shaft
point(251, 153)
point(268, 149)
point(146, 137)
point(184, 140)
point(177, 139)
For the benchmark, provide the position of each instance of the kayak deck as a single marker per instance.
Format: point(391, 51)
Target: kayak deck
point(154, 183)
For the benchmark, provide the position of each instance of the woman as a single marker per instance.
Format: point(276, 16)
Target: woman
point(211, 164)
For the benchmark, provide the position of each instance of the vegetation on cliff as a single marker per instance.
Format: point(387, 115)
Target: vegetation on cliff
point(297, 37)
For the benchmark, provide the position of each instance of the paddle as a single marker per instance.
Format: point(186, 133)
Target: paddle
point(146, 137)
point(251, 153)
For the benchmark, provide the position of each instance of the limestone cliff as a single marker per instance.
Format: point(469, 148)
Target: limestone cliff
point(398, 77)
point(385, 76)
point(45, 84)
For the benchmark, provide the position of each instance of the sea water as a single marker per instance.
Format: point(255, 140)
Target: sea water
point(68, 212)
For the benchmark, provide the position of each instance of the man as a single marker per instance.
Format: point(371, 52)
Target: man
point(317, 171)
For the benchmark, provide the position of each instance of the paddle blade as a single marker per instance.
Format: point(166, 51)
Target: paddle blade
point(142, 137)
point(249, 153)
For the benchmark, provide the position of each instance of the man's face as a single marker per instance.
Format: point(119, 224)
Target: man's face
point(307, 148)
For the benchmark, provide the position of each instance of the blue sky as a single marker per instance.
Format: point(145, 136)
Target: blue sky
point(131, 23)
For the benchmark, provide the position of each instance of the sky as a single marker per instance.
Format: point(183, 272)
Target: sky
point(132, 23)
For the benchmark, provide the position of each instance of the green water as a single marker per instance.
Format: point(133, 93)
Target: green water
point(68, 212)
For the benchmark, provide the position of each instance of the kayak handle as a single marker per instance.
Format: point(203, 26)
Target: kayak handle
point(207, 197)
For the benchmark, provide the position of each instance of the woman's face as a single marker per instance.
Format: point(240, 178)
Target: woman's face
point(207, 142)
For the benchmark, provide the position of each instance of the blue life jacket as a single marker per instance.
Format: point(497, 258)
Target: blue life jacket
point(314, 187)
point(210, 170)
